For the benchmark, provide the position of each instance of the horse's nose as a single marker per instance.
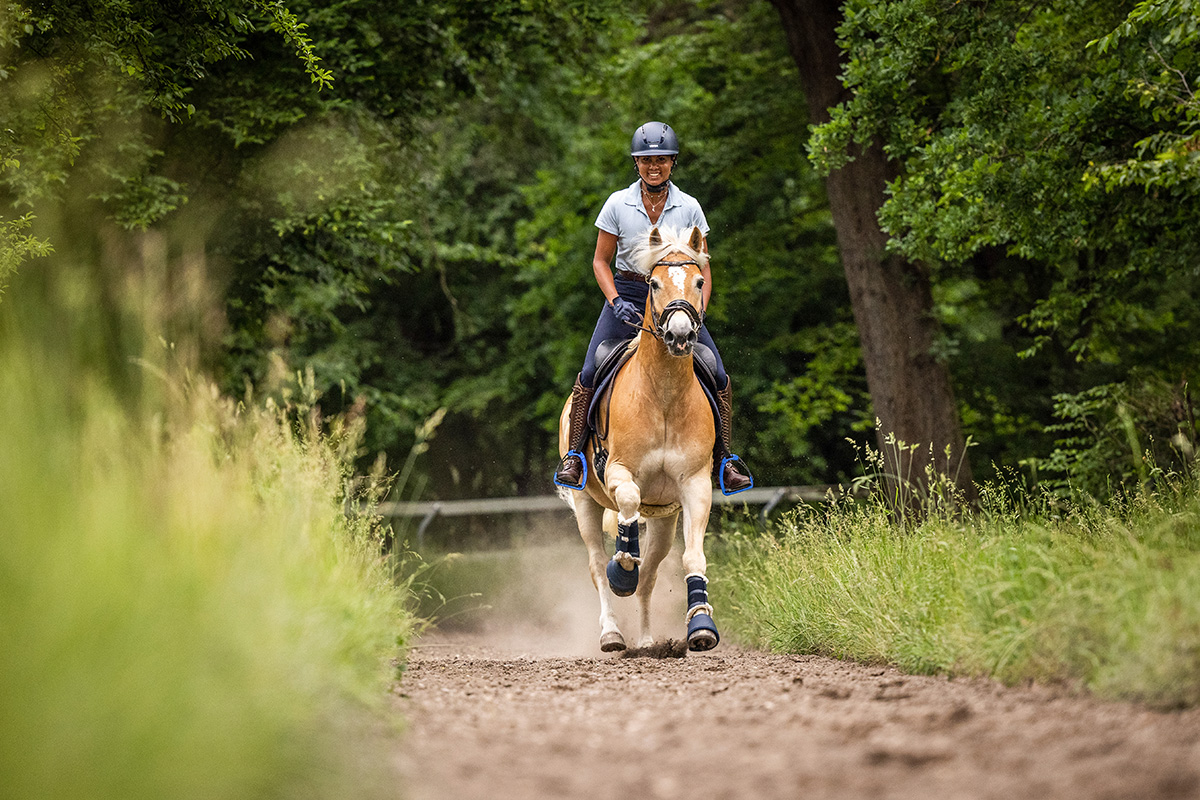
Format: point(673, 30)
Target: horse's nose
point(678, 338)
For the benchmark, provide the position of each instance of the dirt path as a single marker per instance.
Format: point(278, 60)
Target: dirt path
point(493, 715)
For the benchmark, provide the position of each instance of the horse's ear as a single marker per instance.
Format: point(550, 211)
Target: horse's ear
point(697, 240)
point(655, 237)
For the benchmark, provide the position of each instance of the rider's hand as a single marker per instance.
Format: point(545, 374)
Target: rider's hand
point(626, 311)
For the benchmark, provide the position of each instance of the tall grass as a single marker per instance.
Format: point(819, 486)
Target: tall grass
point(1101, 596)
point(185, 610)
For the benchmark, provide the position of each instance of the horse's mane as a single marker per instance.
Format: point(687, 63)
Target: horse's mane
point(645, 255)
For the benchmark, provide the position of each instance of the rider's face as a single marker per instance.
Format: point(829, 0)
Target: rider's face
point(655, 169)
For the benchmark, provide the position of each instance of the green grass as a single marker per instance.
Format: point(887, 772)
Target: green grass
point(185, 611)
point(1101, 596)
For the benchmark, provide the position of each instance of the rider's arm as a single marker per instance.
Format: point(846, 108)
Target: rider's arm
point(606, 248)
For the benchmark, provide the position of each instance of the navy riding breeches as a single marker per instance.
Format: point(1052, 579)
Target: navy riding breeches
point(608, 326)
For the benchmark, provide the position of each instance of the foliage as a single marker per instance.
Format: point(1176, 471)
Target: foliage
point(1121, 435)
point(1013, 127)
point(16, 246)
point(95, 69)
point(1031, 588)
point(1168, 157)
point(189, 611)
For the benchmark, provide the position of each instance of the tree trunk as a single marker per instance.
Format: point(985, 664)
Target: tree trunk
point(891, 299)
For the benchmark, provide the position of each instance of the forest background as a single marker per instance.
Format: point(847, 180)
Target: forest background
point(391, 205)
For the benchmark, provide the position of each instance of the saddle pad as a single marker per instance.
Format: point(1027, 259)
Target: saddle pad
point(614, 354)
point(611, 355)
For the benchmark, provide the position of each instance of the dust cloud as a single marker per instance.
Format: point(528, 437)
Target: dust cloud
point(536, 598)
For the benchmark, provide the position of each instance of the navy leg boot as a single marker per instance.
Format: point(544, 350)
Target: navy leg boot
point(702, 631)
point(623, 568)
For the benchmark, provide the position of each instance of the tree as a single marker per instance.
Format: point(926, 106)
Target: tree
point(1044, 155)
point(911, 389)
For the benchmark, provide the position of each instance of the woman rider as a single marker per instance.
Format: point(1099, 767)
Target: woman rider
point(625, 220)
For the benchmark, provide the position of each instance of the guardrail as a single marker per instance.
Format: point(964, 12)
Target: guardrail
point(769, 497)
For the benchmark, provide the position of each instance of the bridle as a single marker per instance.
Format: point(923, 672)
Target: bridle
point(660, 318)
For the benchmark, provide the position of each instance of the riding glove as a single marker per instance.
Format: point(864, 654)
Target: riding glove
point(626, 311)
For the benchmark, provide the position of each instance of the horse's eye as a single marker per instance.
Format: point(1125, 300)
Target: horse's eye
point(655, 284)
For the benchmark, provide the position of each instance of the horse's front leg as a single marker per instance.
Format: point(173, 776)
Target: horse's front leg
point(697, 503)
point(589, 515)
point(659, 535)
point(623, 569)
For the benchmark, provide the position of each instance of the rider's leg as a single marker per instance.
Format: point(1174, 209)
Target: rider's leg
point(570, 471)
point(730, 471)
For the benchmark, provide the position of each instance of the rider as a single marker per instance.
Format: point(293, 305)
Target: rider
point(624, 221)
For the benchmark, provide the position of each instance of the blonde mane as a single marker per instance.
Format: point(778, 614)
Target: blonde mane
point(646, 255)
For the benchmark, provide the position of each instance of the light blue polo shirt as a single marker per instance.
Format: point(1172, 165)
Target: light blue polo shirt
point(625, 217)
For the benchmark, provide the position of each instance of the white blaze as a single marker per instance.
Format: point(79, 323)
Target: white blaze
point(679, 278)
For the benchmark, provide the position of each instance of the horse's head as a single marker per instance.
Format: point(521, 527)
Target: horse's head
point(673, 265)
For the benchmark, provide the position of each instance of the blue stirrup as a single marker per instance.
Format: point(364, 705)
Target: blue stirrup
point(721, 474)
point(583, 478)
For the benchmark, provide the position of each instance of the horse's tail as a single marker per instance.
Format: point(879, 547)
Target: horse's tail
point(567, 496)
point(610, 516)
point(610, 523)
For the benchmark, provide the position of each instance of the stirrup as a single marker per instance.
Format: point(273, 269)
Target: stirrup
point(582, 478)
point(721, 474)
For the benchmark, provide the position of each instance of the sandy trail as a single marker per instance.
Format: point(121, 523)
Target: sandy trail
point(513, 709)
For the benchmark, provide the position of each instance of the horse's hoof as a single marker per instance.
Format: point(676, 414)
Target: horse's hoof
point(612, 642)
point(702, 633)
point(623, 582)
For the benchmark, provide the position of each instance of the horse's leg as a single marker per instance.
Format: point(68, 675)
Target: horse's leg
point(589, 515)
point(660, 533)
point(623, 569)
point(697, 502)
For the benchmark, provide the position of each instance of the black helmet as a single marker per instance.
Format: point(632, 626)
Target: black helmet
point(653, 139)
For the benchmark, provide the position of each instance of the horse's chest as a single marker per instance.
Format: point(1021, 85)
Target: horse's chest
point(671, 462)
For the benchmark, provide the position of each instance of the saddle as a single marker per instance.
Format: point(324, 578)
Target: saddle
point(611, 356)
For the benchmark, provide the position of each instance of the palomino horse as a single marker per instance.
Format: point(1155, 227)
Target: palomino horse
point(657, 426)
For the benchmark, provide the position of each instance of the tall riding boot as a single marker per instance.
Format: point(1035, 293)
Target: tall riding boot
point(572, 473)
point(730, 471)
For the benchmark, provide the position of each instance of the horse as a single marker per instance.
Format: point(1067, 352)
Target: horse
point(656, 423)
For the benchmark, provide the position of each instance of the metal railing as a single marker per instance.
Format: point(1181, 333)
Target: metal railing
point(769, 497)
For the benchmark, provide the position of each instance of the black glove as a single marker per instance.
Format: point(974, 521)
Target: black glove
point(626, 311)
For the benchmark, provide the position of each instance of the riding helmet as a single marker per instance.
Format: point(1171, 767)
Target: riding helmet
point(653, 139)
